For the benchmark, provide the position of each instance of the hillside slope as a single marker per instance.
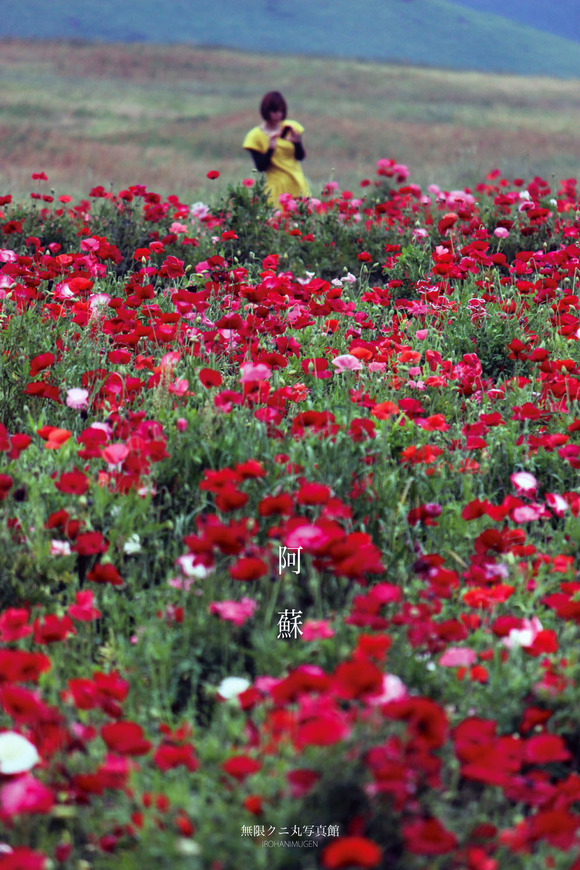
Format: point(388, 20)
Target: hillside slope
point(436, 33)
point(561, 18)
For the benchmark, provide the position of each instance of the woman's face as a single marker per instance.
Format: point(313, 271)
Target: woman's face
point(276, 117)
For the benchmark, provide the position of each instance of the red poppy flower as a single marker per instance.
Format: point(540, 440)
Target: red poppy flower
point(371, 646)
point(83, 693)
point(544, 748)
point(357, 679)
point(90, 543)
point(225, 400)
point(172, 267)
point(418, 455)
point(248, 568)
point(313, 494)
point(557, 827)
point(425, 513)
point(113, 773)
point(14, 624)
point(72, 482)
point(230, 498)
point(213, 174)
point(125, 738)
point(25, 707)
point(301, 781)
point(215, 481)
point(241, 766)
point(105, 573)
point(252, 468)
point(5, 485)
point(52, 629)
point(427, 721)
point(353, 852)
point(168, 757)
point(276, 504)
point(104, 691)
point(384, 410)
point(479, 597)
point(184, 824)
point(317, 367)
point(23, 858)
point(41, 362)
point(83, 609)
point(324, 729)
point(19, 666)
point(447, 221)
point(254, 804)
point(4, 438)
point(56, 438)
point(210, 378)
point(428, 837)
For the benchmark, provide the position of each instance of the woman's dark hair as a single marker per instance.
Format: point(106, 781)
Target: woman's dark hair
point(273, 101)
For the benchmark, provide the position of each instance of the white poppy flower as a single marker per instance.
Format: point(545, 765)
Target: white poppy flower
point(17, 754)
point(132, 545)
point(231, 687)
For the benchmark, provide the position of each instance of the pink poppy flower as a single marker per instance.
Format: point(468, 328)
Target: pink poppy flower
point(525, 483)
point(347, 363)
point(317, 629)
point(557, 503)
point(60, 548)
point(98, 302)
point(24, 794)
point(457, 657)
point(255, 372)
point(527, 513)
point(525, 635)
point(77, 399)
point(237, 612)
point(392, 689)
point(115, 454)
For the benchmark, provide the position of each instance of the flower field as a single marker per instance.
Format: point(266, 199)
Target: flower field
point(289, 528)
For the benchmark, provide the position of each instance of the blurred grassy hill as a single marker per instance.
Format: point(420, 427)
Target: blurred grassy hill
point(437, 33)
point(163, 115)
point(561, 18)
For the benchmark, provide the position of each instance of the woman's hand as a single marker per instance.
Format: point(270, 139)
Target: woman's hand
point(295, 137)
point(273, 140)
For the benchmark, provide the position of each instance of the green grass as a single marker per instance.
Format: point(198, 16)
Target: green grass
point(164, 115)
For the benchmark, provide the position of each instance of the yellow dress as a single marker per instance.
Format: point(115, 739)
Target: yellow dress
point(284, 174)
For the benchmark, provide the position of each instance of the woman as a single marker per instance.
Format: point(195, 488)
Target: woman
point(277, 149)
